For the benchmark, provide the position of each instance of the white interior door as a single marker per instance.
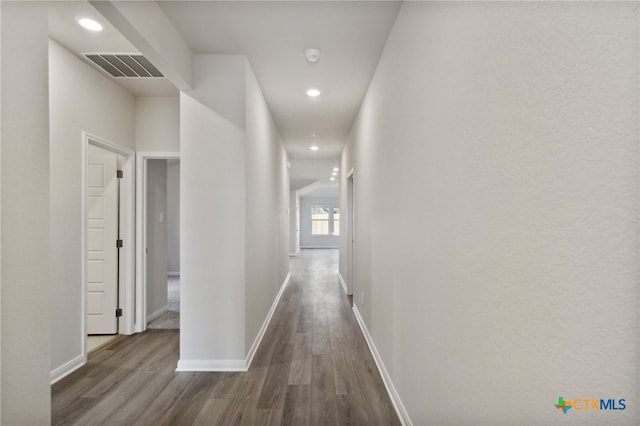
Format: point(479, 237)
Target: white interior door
point(102, 234)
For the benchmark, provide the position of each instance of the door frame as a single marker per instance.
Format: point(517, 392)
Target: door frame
point(127, 253)
point(140, 323)
point(351, 220)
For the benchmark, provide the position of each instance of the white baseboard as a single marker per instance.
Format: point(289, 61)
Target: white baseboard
point(293, 254)
point(211, 365)
point(319, 247)
point(391, 390)
point(344, 284)
point(265, 324)
point(235, 364)
point(173, 274)
point(66, 369)
point(157, 313)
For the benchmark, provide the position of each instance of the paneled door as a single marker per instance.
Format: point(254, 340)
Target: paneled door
point(102, 235)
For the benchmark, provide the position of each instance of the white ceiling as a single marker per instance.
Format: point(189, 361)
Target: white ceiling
point(64, 29)
point(314, 176)
point(318, 190)
point(274, 35)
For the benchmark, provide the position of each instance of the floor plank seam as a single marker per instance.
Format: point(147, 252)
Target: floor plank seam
point(313, 366)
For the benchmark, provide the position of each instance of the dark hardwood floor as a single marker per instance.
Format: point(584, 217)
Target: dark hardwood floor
point(312, 368)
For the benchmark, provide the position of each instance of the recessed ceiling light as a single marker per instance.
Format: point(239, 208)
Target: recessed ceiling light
point(90, 24)
point(332, 178)
point(335, 169)
point(334, 174)
point(313, 93)
point(314, 148)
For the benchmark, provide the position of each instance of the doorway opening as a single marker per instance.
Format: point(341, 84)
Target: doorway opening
point(163, 244)
point(158, 248)
point(350, 235)
point(107, 176)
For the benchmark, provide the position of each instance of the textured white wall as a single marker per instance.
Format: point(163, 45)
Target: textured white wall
point(267, 221)
point(26, 280)
point(157, 258)
point(157, 123)
point(173, 216)
point(107, 111)
point(212, 220)
point(496, 160)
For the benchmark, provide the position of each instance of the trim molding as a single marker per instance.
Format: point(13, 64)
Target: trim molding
point(157, 313)
point(319, 247)
point(211, 365)
point(342, 283)
point(127, 232)
point(391, 390)
point(67, 368)
point(265, 324)
point(140, 296)
point(173, 274)
point(235, 364)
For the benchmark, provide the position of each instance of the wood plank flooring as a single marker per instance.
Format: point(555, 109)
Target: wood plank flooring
point(312, 368)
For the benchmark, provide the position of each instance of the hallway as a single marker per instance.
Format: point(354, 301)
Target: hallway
point(313, 367)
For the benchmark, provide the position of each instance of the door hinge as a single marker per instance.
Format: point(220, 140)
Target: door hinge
point(118, 312)
point(119, 243)
point(119, 174)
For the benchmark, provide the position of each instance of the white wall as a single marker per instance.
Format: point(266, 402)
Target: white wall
point(496, 180)
point(26, 280)
point(157, 121)
point(0, 216)
point(156, 238)
point(173, 217)
point(234, 214)
point(212, 220)
point(267, 217)
point(157, 129)
point(294, 223)
point(315, 241)
point(103, 109)
point(225, 85)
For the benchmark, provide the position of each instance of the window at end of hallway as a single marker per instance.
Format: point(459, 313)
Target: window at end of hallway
point(319, 220)
point(325, 220)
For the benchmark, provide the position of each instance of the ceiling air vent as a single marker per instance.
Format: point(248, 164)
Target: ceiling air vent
point(130, 66)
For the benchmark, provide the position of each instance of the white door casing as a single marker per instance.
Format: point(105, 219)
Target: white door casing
point(297, 224)
point(141, 234)
point(350, 234)
point(102, 233)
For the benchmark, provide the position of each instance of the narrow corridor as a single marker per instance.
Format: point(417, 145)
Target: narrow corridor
point(312, 368)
